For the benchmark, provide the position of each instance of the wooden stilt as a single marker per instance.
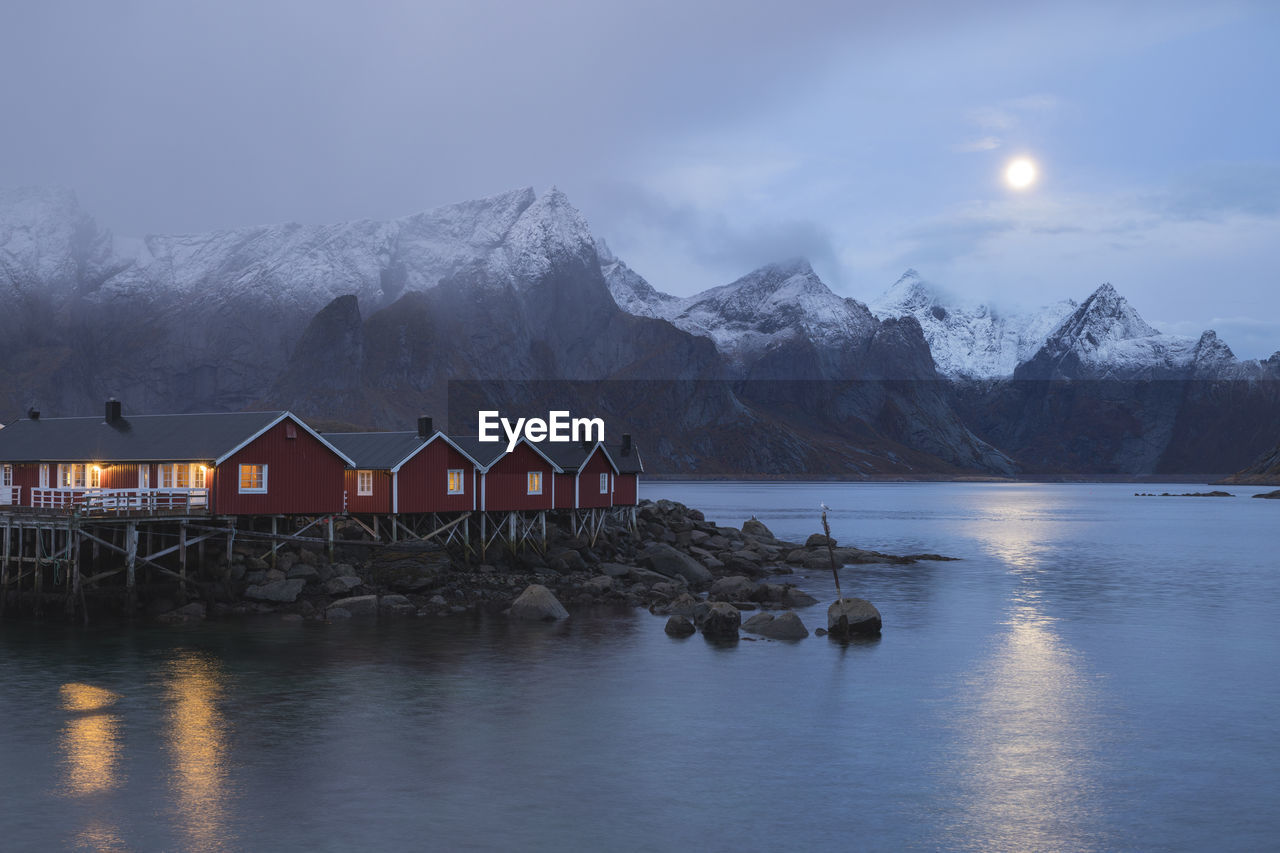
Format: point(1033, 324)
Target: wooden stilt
point(391, 520)
point(231, 543)
point(4, 566)
point(130, 565)
point(275, 546)
point(182, 561)
point(329, 551)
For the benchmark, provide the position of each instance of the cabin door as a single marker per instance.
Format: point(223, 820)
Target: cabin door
point(6, 484)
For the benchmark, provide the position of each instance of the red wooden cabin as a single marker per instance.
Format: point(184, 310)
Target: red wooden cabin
point(587, 478)
point(243, 463)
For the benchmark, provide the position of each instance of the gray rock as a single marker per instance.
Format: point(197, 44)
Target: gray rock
point(255, 564)
point(666, 560)
point(342, 584)
point(850, 617)
point(357, 605)
point(755, 527)
point(721, 621)
point(599, 585)
point(308, 557)
point(786, 626)
point(684, 605)
point(334, 613)
point(274, 575)
point(615, 570)
point(818, 540)
point(437, 600)
point(679, 626)
point(396, 604)
point(792, 597)
point(291, 617)
point(279, 590)
point(304, 571)
point(756, 622)
point(734, 588)
point(537, 603)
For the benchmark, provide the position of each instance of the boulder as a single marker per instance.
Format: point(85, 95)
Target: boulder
point(285, 591)
point(721, 621)
point(792, 597)
point(679, 626)
point(684, 605)
point(734, 588)
point(599, 585)
point(396, 604)
point(357, 605)
point(305, 571)
point(666, 560)
point(818, 540)
point(614, 570)
point(193, 612)
point(786, 626)
point(755, 527)
point(342, 584)
point(852, 617)
point(537, 603)
point(756, 622)
point(255, 564)
point(335, 613)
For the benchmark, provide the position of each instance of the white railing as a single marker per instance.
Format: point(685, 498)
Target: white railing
point(10, 495)
point(122, 500)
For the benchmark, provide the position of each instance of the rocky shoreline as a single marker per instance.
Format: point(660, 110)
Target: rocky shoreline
point(677, 564)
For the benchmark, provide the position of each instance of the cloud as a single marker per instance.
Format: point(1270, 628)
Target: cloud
point(1013, 112)
point(1215, 191)
point(986, 143)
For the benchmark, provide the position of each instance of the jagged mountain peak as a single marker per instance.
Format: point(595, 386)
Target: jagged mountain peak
point(1104, 316)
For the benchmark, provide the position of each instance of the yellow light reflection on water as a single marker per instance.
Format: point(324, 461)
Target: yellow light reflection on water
point(90, 740)
point(197, 742)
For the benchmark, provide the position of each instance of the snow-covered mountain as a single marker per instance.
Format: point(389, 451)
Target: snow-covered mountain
point(976, 342)
point(1106, 338)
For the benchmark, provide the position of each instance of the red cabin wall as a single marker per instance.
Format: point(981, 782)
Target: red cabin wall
point(118, 476)
point(564, 491)
point(506, 483)
point(424, 481)
point(304, 477)
point(28, 477)
point(625, 489)
point(377, 503)
point(589, 496)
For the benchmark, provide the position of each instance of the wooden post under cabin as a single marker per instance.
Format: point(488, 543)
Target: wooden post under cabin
point(231, 543)
point(4, 566)
point(275, 543)
point(329, 553)
point(130, 564)
point(182, 559)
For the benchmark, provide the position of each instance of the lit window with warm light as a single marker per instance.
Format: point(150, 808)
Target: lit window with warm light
point(535, 482)
point(95, 477)
point(456, 483)
point(253, 479)
point(364, 483)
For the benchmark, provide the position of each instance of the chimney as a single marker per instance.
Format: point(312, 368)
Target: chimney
point(424, 427)
point(626, 443)
point(113, 410)
point(33, 414)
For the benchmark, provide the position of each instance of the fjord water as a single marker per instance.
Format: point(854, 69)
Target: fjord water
point(1098, 671)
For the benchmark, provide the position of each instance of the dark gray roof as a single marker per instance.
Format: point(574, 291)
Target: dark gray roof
point(628, 463)
point(138, 438)
point(381, 450)
point(569, 455)
point(485, 453)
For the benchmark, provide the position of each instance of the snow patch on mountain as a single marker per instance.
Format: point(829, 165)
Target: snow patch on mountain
point(970, 342)
point(629, 289)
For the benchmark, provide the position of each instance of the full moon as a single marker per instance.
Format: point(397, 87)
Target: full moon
point(1020, 174)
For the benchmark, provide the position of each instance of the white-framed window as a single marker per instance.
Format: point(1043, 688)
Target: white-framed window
point(253, 479)
point(535, 482)
point(144, 476)
point(181, 475)
point(364, 483)
point(95, 477)
point(604, 483)
point(44, 476)
point(457, 485)
point(6, 475)
point(72, 475)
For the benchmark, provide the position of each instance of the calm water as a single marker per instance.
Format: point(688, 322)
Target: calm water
point(1099, 672)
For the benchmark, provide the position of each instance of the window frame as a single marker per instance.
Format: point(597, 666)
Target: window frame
point(530, 479)
point(364, 482)
point(252, 490)
point(604, 483)
point(462, 482)
point(6, 475)
point(44, 475)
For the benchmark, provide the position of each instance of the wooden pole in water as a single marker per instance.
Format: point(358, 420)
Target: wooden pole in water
point(826, 529)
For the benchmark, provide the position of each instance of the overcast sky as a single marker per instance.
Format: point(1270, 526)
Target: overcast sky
point(700, 139)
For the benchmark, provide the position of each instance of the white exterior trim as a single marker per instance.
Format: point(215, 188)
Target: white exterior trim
point(240, 478)
point(251, 439)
